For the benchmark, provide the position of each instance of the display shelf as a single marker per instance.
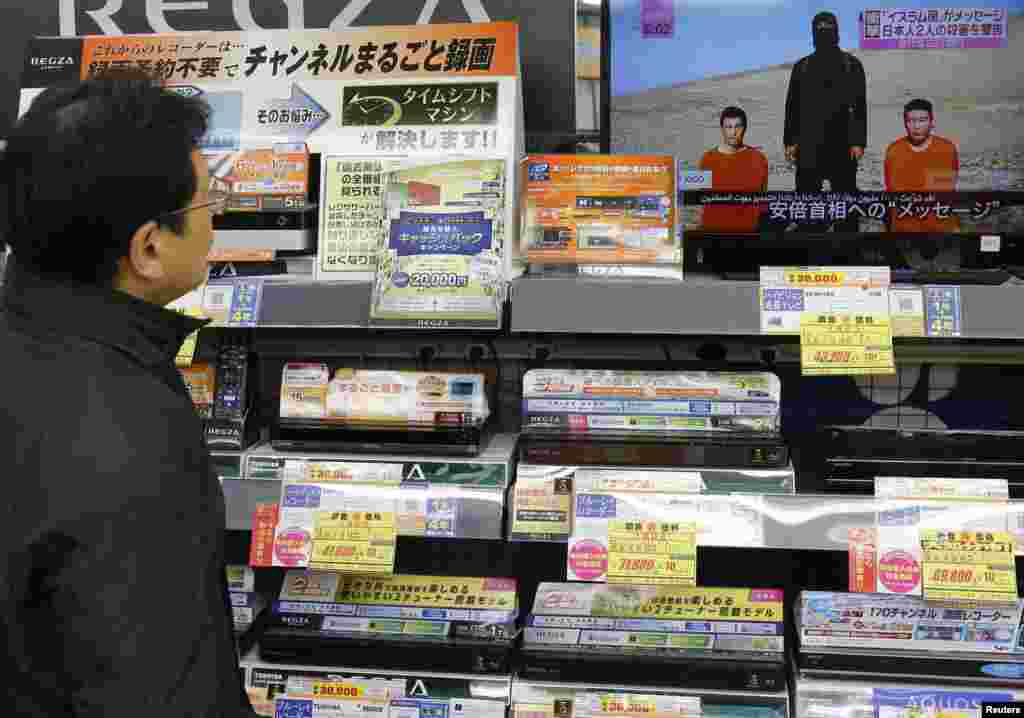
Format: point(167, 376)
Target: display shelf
point(810, 522)
point(703, 306)
point(815, 522)
point(308, 303)
point(477, 485)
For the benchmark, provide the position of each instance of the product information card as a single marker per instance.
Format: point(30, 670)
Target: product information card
point(842, 315)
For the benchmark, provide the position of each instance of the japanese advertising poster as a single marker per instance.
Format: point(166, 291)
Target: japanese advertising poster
point(272, 87)
point(599, 209)
point(852, 117)
point(404, 120)
point(442, 244)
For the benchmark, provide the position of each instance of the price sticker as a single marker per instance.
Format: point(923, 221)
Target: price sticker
point(354, 541)
point(839, 343)
point(970, 566)
point(187, 351)
point(652, 552)
point(811, 278)
point(337, 690)
point(787, 295)
point(190, 305)
point(632, 704)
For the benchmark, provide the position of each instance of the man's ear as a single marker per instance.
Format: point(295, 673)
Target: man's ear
point(144, 258)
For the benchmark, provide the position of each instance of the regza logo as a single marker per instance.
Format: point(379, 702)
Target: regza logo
point(52, 61)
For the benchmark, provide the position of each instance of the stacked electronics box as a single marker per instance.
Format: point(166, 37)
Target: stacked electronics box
point(885, 655)
point(412, 454)
point(417, 442)
point(602, 448)
point(648, 444)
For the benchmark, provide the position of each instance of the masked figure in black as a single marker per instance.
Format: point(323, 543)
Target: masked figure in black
point(826, 114)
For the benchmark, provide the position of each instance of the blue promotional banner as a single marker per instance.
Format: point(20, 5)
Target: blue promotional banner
point(435, 235)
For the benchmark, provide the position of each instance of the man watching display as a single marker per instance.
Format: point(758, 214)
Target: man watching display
point(115, 597)
point(921, 162)
point(734, 167)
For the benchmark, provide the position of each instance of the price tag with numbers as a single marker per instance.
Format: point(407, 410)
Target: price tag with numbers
point(971, 566)
point(841, 343)
point(354, 541)
point(652, 552)
point(788, 294)
point(594, 705)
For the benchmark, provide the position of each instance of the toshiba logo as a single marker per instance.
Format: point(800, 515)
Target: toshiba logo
point(52, 61)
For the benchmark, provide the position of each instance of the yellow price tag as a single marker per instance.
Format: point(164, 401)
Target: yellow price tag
point(798, 278)
point(652, 552)
point(332, 689)
point(354, 541)
point(832, 344)
point(187, 350)
point(971, 566)
point(189, 305)
point(626, 705)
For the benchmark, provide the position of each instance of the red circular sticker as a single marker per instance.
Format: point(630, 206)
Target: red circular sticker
point(588, 560)
point(291, 547)
point(899, 572)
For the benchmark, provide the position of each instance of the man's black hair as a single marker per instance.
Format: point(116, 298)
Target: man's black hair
point(732, 112)
point(919, 105)
point(87, 165)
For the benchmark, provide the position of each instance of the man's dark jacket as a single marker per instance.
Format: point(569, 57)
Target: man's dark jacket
point(826, 108)
point(113, 598)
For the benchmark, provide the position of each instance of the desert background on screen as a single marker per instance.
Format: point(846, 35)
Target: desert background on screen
point(667, 93)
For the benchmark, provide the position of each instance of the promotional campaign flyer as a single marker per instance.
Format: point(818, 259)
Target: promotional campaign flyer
point(600, 210)
point(414, 123)
point(442, 245)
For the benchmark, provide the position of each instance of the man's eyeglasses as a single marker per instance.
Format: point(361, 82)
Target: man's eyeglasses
point(217, 203)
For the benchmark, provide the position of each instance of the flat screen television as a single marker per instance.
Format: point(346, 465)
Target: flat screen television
point(849, 117)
